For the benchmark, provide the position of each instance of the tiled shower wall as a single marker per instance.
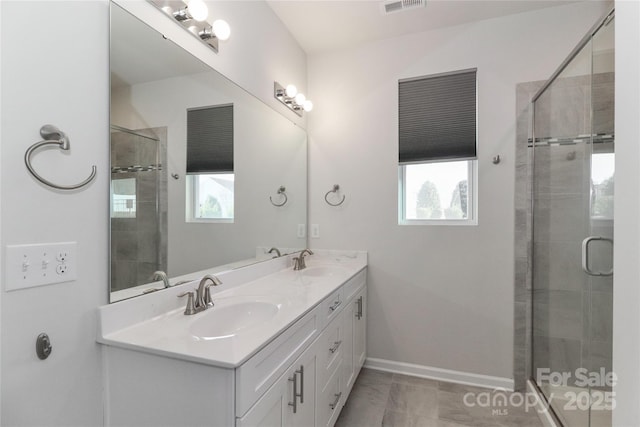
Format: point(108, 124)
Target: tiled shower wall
point(522, 292)
point(573, 311)
point(139, 245)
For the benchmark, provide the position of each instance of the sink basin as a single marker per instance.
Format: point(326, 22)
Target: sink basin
point(226, 318)
point(323, 271)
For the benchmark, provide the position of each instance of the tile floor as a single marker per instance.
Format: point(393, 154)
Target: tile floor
point(393, 400)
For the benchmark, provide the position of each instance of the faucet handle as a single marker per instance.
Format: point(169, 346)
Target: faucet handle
point(208, 301)
point(190, 309)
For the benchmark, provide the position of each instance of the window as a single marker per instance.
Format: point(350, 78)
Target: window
point(602, 184)
point(437, 149)
point(210, 177)
point(123, 198)
point(213, 196)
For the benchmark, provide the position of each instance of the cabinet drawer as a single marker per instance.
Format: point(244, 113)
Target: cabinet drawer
point(260, 372)
point(354, 284)
point(330, 402)
point(331, 306)
point(329, 348)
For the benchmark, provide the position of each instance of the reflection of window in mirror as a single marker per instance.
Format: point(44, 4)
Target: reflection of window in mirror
point(212, 196)
point(123, 198)
point(210, 177)
point(602, 183)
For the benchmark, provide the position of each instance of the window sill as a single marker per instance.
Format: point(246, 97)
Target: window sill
point(439, 222)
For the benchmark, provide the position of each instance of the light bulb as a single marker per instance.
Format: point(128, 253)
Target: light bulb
point(300, 98)
point(221, 29)
point(307, 105)
point(291, 91)
point(198, 10)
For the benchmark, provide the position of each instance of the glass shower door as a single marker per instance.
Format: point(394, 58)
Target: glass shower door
point(572, 249)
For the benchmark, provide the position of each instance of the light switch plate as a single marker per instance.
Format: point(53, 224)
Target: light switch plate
point(40, 264)
point(315, 231)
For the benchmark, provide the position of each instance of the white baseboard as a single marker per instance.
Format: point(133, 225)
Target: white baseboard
point(448, 375)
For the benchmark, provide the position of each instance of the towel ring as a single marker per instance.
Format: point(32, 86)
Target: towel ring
point(281, 191)
point(335, 189)
point(53, 136)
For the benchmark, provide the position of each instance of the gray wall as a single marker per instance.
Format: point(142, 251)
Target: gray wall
point(440, 296)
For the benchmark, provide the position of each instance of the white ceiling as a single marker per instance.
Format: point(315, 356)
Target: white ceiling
point(323, 25)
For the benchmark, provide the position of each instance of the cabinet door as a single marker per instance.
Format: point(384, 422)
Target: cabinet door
point(348, 362)
point(360, 331)
point(290, 401)
point(300, 394)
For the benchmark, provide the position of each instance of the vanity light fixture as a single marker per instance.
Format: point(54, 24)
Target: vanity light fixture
point(193, 16)
point(289, 96)
point(195, 9)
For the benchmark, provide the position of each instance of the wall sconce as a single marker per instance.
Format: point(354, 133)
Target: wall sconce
point(193, 16)
point(290, 97)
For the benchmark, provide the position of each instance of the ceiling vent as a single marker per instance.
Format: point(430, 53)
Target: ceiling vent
point(393, 6)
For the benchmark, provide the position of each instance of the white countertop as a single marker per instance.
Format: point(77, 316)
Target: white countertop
point(155, 323)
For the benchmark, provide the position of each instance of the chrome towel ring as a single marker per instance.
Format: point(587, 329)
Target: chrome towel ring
point(53, 136)
point(281, 191)
point(335, 189)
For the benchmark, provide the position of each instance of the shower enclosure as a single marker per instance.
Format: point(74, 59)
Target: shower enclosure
point(138, 206)
point(572, 156)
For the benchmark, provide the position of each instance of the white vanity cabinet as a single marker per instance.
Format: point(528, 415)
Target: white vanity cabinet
point(301, 377)
point(335, 358)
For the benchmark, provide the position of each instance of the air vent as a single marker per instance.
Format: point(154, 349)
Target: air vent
point(394, 6)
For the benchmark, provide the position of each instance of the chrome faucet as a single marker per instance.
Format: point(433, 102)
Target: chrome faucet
point(203, 296)
point(298, 262)
point(161, 275)
point(203, 299)
point(278, 254)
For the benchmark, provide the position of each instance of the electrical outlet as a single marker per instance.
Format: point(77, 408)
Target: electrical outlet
point(302, 231)
point(40, 264)
point(315, 231)
point(62, 255)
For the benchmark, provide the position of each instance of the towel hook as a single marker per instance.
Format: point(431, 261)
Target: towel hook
point(281, 190)
point(53, 136)
point(335, 189)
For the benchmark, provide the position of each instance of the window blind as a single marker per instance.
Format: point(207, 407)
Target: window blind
point(210, 139)
point(437, 117)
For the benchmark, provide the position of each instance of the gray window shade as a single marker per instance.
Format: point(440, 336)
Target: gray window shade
point(210, 139)
point(437, 117)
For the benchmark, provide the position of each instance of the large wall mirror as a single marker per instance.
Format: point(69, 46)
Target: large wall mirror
point(197, 166)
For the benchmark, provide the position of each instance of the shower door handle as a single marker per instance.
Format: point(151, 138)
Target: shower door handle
point(585, 256)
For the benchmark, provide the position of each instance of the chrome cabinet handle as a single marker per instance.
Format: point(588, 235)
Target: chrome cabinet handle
point(585, 256)
point(294, 404)
point(335, 305)
point(301, 372)
point(297, 395)
point(335, 402)
point(335, 347)
point(359, 312)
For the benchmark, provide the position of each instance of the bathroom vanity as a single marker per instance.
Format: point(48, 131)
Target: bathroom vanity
point(279, 347)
